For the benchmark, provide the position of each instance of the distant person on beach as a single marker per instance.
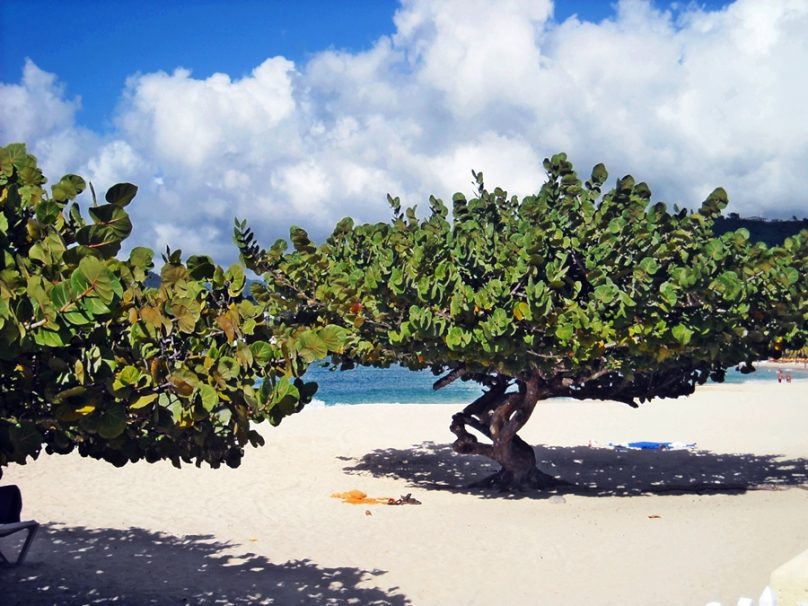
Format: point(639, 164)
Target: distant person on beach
point(788, 376)
point(779, 375)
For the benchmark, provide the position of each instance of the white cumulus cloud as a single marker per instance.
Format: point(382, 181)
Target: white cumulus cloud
point(685, 99)
point(37, 112)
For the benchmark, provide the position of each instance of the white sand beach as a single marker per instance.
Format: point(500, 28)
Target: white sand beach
point(642, 527)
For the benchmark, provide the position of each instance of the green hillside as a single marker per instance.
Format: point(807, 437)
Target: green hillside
point(770, 231)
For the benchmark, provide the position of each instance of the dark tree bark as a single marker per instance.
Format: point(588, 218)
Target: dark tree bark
point(498, 415)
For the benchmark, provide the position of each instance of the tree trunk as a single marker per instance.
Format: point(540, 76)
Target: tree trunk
point(498, 416)
point(519, 470)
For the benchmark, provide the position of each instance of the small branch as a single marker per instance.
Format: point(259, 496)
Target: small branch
point(524, 404)
point(520, 283)
point(598, 374)
point(466, 443)
point(450, 378)
point(474, 423)
point(489, 400)
point(536, 354)
point(36, 324)
point(502, 416)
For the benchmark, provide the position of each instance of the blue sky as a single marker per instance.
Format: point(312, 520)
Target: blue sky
point(94, 45)
point(302, 112)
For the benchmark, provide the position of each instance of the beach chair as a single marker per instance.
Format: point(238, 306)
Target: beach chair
point(10, 507)
point(6, 529)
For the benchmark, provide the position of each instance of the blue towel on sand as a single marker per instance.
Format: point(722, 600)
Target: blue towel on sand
point(645, 445)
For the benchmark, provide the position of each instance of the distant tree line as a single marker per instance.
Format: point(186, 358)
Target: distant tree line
point(772, 232)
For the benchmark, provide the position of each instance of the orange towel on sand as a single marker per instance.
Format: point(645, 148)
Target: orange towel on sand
point(357, 497)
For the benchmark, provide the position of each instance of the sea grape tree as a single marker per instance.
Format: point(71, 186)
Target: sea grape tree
point(573, 292)
point(93, 357)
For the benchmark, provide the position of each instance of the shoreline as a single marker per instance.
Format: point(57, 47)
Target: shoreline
point(716, 520)
point(797, 365)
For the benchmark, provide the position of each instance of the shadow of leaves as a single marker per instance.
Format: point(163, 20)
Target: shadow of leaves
point(77, 565)
point(592, 471)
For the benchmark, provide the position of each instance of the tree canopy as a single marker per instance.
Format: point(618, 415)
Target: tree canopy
point(572, 292)
point(92, 358)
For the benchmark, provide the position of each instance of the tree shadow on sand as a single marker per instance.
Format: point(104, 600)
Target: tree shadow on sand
point(77, 565)
point(592, 471)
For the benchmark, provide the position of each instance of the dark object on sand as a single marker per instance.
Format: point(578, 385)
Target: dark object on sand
point(10, 508)
point(406, 499)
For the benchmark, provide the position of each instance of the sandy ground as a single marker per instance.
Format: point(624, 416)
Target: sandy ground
point(679, 528)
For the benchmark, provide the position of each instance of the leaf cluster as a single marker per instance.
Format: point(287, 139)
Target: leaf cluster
point(599, 294)
point(92, 358)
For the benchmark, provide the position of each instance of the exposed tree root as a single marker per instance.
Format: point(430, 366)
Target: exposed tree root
point(505, 481)
point(497, 415)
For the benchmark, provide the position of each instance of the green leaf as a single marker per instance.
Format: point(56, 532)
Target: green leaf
point(715, 202)
point(285, 394)
point(70, 393)
point(333, 336)
point(141, 257)
point(93, 277)
point(682, 334)
point(715, 250)
point(244, 356)
point(112, 226)
point(599, 174)
point(93, 306)
point(61, 295)
point(311, 347)
point(235, 276)
point(121, 194)
point(112, 422)
point(668, 293)
point(47, 211)
point(454, 337)
point(67, 188)
point(626, 300)
point(564, 332)
point(187, 313)
point(128, 376)
point(228, 367)
point(300, 240)
point(789, 276)
point(78, 317)
point(521, 311)
point(649, 265)
point(143, 401)
point(606, 293)
point(729, 285)
point(172, 274)
point(49, 338)
point(262, 352)
point(209, 397)
point(200, 267)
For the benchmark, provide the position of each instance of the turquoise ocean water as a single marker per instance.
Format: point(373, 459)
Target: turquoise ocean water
point(398, 385)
